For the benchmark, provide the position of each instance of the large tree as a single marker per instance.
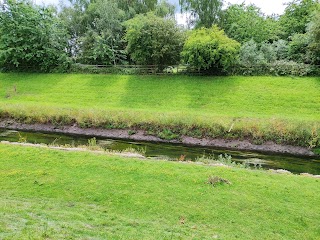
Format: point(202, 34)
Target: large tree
point(297, 15)
point(32, 37)
point(313, 32)
point(153, 40)
point(204, 13)
point(102, 43)
point(96, 27)
point(245, 22)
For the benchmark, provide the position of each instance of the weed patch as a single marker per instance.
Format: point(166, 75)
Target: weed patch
point(216, 181)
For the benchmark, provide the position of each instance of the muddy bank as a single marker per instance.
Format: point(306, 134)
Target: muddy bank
point(268, 147)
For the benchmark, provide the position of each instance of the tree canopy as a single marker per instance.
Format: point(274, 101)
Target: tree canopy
point(210, 49)
point(145, 32)
point(31, 37)
point(297, 15)
point(204, 13)
point(245, 22)
point(153, 40)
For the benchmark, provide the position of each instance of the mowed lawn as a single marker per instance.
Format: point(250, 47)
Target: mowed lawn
point(230, 97)
point(52, 194)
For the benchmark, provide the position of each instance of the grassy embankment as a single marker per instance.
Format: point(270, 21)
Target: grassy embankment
point(282, 109)
point(52, 194)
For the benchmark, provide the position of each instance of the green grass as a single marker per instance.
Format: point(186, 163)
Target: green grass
point(282, 109)
point(51, 194)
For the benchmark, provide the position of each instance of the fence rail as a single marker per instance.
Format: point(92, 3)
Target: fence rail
point(288, 68)
point(139, 69)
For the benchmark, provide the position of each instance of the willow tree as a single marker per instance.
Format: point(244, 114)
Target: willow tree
point(204, 13)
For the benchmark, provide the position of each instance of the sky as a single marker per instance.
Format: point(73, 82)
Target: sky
point(267, 6)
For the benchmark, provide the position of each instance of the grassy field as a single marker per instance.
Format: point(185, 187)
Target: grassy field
point(283, 109)
point(52, 194)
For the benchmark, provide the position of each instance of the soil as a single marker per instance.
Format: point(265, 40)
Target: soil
point(268, 147)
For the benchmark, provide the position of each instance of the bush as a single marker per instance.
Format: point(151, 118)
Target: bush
point(210, 50)
point(153, 40)
point(276, 68)
point(32, 38)
point(273, 59)
point(298, 48)
point(250, 54)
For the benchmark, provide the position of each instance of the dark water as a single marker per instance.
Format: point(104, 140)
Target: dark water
point(172, 151)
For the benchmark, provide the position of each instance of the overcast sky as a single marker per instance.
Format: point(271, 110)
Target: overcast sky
point(267, 6)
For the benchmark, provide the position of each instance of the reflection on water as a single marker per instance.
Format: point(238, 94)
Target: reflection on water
point(172, 151)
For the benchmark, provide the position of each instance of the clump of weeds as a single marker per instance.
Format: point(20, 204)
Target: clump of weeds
point(216, 181)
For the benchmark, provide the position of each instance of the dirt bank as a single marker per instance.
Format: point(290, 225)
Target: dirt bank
point(268, 147)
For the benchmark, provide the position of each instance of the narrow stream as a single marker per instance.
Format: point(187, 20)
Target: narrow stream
point(172, 151)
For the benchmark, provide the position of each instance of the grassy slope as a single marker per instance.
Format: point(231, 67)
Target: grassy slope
point(257, 102)
point(258, 97)
point(58, 195)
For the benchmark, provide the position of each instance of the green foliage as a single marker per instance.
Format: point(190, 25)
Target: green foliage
point(281, 49)
point(102, 42)
point(298, 48)
point(276, 68)
point(297, 15)
point(210, 50)
point(76, 21)
point(245, 22)
point(313, 30)
point(164, 9)
point(252, 54)
point(167, 134)
point(32, 38)
point(133, 7)
point(153, 40)
point(204, 13)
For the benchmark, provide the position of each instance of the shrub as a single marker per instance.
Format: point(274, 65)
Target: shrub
point(31, 38)
point(210, 50)
point(216, 181)
point(298, 48)
point(153, 40)
point(276, 68)
point(250, 54)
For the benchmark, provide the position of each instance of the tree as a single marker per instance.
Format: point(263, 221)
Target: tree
point(204, 13)
point(210, 50)
point(102, 42)
point(76, 21)
point(96, 27)
point(244, 23)
point(297, 15)
point(134, 7)
point(313, 31)
point(153, 40)
point(164, 9)
point(31, 37)
point(298, 48)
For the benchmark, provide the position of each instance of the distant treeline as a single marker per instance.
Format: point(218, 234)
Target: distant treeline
point(239, 39)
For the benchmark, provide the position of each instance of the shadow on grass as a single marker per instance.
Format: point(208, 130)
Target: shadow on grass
point(173, 93)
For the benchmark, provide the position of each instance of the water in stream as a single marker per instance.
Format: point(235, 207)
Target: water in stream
point(172, 151)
